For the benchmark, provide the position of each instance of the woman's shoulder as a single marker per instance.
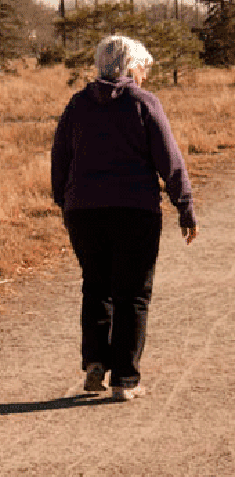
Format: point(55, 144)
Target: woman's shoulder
point(149, 99)
point(143, 94)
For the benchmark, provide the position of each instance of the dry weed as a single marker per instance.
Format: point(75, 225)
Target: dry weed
point(37, 93)
point(202, 117)
point(28, 137)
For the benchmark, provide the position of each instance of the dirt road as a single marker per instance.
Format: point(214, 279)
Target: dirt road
point(185, 427)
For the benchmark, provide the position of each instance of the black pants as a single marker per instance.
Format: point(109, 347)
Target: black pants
point(117, 248)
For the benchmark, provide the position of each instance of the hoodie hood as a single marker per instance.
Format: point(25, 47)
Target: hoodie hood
point(103, 91)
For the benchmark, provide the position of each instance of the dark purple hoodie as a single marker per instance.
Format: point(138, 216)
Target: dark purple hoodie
point(112, 143)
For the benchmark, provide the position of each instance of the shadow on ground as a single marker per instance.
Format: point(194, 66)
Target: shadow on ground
point(62, 403)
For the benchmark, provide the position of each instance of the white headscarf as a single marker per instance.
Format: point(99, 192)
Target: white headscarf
point(116, 55)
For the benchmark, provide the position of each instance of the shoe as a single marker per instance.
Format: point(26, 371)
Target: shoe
point(94, 378)
point(127, 394)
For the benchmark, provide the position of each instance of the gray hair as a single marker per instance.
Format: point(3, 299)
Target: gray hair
point(118, 55)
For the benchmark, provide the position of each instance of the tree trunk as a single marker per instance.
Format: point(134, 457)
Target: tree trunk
point(62, 9)
point(176, 10)
point(132, 7)
point(175, 76)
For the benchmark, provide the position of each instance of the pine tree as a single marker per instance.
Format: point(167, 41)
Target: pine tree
point(9, 31)
point(220, 32)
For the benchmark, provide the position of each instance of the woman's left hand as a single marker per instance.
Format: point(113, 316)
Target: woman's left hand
point(190, 233)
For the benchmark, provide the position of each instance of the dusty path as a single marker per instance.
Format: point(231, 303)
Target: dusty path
point(185, 426)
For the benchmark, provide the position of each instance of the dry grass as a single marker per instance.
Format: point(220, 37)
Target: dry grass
point(202, 115)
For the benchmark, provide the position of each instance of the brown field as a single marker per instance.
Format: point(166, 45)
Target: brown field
point(202, 115)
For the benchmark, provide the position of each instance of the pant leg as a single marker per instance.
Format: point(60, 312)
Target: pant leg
point(88, 235)
point(135, 235)
point(117, 250)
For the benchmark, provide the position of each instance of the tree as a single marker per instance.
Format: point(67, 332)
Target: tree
point(220, 32)
point(18, 20)
point(38, 17)
point(9, 31)
point(187, 14)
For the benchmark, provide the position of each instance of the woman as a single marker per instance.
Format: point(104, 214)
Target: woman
point(112, 143)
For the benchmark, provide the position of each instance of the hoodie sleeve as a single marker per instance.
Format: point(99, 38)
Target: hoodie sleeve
point(61, 157)
point(168, 161)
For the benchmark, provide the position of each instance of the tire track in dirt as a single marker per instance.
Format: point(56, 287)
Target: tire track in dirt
point(189, 368)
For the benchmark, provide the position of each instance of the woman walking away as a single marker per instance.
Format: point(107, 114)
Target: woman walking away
point(112, 143)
